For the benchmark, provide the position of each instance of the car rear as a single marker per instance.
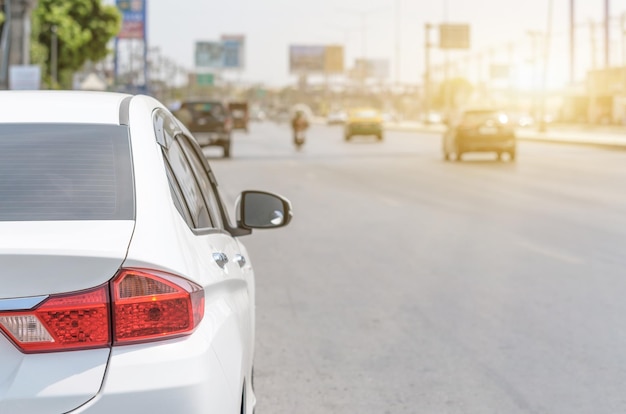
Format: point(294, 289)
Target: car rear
point(99, 309)
point(239, 114)
point(485, 131)
point(210, 121)
point(364, 122)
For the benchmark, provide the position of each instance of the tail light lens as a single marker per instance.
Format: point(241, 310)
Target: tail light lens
point(144, 306)
point(62, 323)
point(150, 306)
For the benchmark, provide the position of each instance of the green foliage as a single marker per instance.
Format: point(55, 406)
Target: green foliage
point(83, 27)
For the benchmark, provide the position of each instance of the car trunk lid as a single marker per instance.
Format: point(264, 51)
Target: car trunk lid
point(45, 258)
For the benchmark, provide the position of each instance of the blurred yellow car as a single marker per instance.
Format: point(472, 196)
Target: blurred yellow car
point(364, 121)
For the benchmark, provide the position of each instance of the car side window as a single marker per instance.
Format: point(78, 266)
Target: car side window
point(177, 196)
point(191, 192)
point(203, 179)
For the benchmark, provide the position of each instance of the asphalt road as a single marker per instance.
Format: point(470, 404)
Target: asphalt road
point(406, 284)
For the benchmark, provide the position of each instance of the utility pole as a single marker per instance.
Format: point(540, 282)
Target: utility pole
point(19, 44)
point(398, 21)
point(54, 53)
point(427, 46)
point(622, 37)
point(572, 41)
point(546, 54)
point(607, 22)
point(592, 32)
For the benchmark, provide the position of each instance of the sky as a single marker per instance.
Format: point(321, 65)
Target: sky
point(270, 26)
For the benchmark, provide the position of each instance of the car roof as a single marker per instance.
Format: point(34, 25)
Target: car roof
point(62, 107)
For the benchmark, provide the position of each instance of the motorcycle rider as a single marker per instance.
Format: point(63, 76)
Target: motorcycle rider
point(299, 124)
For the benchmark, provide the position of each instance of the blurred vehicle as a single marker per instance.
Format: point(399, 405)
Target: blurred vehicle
point(433, 117)
point(480, 130)
point(364, 121)
point(210, 122)
point(240, 115)
point(389, 117)
point(281, 115)
point(258, 115)
point(336, 117)
point(124, 288)
point(525, 120)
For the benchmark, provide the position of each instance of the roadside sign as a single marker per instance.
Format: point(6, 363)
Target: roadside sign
point(205, 79)
point(454, 36)
point(316, 59)
point(306, 59)
point(209, 54)
point(133, 19)
point(24, 77)
point(371, 68)
point(333, 59)
point(233, 49)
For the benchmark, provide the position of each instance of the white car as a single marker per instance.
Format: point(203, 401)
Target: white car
point(337, 118)
point(123, 285)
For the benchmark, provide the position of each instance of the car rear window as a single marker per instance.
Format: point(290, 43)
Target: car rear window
point(366, 114)
point(213, 109)
point(65, 172)
point(475, 117)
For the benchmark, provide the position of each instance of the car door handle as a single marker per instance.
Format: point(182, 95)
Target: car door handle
point(239, 259)
point(221, 259)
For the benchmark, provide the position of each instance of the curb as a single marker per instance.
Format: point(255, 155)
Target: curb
point(599, 143)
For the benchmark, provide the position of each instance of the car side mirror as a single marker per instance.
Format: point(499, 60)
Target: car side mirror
point(262, 210)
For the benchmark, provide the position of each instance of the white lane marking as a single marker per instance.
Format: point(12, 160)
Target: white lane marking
point(390, 201)
point(550, 252)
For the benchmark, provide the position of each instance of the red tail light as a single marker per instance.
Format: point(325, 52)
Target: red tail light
point(62, 322)
point(145, 306)
point(152, 306)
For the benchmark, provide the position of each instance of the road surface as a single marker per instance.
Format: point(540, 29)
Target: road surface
point(406, 284)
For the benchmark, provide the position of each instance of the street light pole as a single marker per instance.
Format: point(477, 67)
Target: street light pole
point(53, 57)
point(427, 28)
point(607, 20)
point(572, 41)
point(398, 40)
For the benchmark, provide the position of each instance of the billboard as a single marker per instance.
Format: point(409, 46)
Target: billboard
point(306, 59)
point(333, 59)
point(318, 59)
point(133, 19)
point(371, 68)
point(233, 49)
point(209, 55)
point(454, 36)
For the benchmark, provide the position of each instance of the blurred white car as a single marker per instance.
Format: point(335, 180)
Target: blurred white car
point(336, 117)
point(124, 286)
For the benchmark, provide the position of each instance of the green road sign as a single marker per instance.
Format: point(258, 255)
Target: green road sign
point(205, 79)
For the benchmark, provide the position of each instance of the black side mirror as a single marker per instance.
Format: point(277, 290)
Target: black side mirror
point(262, 210)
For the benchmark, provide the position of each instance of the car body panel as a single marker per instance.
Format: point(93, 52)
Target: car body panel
point(60, 107)
point(88, 254)
point(49, 382)
point(180, 375)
